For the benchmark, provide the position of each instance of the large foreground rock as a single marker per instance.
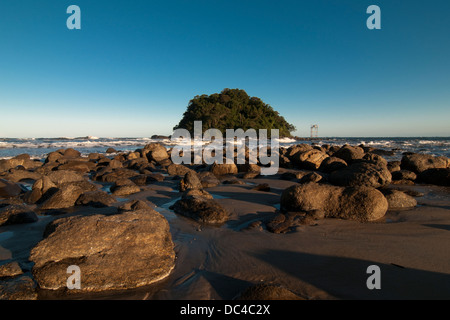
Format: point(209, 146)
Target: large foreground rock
point(121, 251)
point(353, 203)
point(362, 174)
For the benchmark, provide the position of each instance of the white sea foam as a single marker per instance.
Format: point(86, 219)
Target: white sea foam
point(40, 147)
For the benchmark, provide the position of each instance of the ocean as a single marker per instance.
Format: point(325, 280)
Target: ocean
point(38, 148)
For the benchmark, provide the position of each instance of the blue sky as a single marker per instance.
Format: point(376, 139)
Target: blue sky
point(134, 65)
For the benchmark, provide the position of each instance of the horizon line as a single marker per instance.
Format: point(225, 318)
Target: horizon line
point(168, 136)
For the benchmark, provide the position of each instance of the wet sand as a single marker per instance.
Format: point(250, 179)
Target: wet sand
point(327, 260)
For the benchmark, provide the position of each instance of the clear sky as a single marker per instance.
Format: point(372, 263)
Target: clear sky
point(134, 65)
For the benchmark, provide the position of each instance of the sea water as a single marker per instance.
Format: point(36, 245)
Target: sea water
point(38, 148)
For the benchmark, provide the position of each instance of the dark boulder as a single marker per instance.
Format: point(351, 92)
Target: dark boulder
point(15, 175)
point(208, 179)
point(9, 189)
point(440, 176)
point(124, 187)
point(110, 150)
point(311, 159)
point(312, 177)
point(404, 175)
point(205, 211)
point(27, 164)
point(16, 214)
point(394, 166)
point(190, 181)
point(64, 197)
point(60, 177)
point(136, 205)
point(71, 153)
point(78, 166)
point(112, 175)
point(375, 158)
point(97, 199)
point(285, 222)
point(331, 164)
point(145, 179)
point(349, 153)
point(299, 148)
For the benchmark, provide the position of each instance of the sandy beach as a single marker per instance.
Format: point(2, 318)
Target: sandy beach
point(321, 259)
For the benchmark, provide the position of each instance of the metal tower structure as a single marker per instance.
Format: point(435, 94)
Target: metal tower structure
point(314, 131)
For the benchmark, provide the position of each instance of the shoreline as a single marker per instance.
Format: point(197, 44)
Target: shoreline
point(38, 148)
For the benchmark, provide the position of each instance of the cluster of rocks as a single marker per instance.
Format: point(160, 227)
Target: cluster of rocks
point(198, 204)
point(104, 246)
point(348, 182)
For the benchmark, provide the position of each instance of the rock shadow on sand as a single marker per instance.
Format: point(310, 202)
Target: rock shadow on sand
point(438, 226)
point(346, 278)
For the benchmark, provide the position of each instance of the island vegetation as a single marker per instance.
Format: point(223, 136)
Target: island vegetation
point(233, 109)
